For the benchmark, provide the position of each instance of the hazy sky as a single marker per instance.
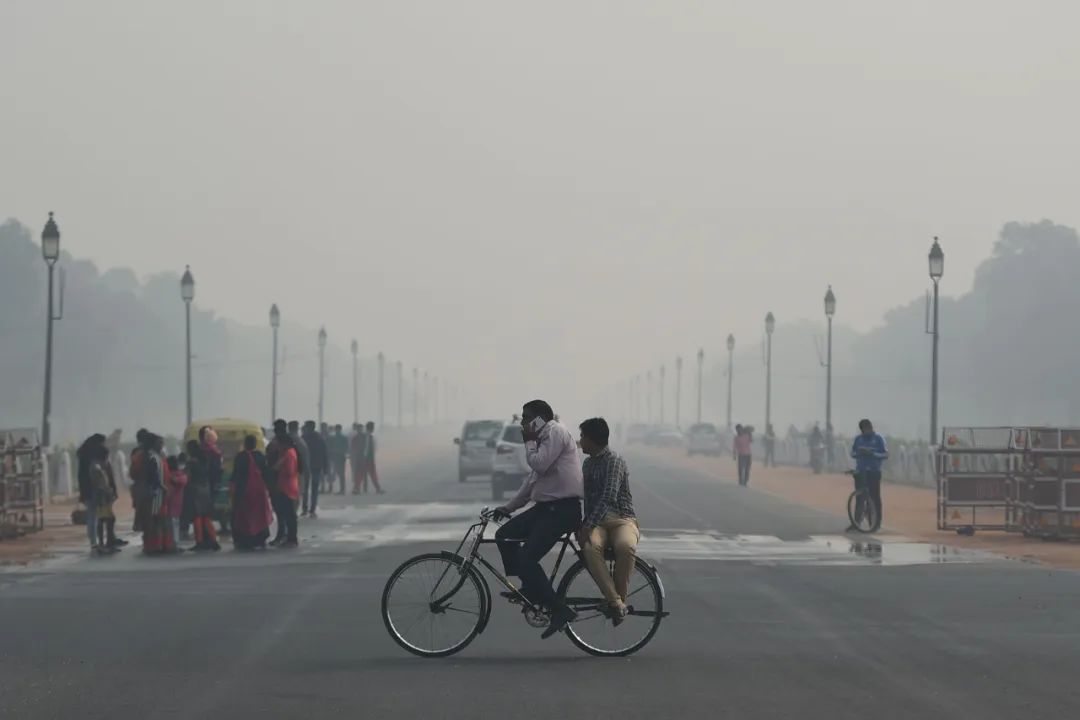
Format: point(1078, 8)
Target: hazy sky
point(540, 195)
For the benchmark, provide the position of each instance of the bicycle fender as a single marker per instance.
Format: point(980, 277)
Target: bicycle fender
point(659, 581)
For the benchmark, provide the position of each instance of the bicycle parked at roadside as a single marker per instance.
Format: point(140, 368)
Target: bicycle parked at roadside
point(435, 604)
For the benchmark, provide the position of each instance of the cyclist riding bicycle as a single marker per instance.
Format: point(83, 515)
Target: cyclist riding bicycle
point(555, 486)
point(869, 451)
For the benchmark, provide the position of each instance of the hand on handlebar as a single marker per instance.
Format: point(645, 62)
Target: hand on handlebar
point(500, 514)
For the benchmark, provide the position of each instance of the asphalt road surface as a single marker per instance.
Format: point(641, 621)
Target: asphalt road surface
point(774, 614)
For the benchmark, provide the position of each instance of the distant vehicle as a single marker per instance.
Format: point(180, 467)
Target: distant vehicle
point(665, 436)
point(636, 433)
point(231, 433)
point(509, 465)
point(475, 455)
point(704, 439)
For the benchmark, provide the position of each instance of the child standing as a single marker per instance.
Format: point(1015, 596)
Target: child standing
point(103, 499)
point(174, 496)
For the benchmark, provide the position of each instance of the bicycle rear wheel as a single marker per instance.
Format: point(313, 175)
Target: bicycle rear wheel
point(433, 609)
point(861, 512)
point(593, 631)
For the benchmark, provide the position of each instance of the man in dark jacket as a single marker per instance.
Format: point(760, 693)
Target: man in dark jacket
point(319, 463)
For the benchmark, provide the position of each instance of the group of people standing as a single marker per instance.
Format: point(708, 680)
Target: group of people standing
point(175, 494)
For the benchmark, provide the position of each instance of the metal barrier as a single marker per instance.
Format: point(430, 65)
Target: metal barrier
point(977, 485)
point(22, 507)
point(1049, 497)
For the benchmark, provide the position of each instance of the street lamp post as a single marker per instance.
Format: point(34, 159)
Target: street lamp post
point(187, 294)
point(415, 393)
point(648, 397)
point(275, 323)
point(730, 374)
point(50, 251)
point(700, 377)
point(937, 269)
point(322, 370)
point(770, 325)
point(381, 359)
point(355, 347)
point(435, 398)
point(663, 382)
point(678, 391)
point(830, 310)
point(400, 384)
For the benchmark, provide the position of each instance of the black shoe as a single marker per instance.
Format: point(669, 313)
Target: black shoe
point(117, 542)
point(851, 528)
point(559, 619)
point(276, 541)
point(289, 545)
point(511, 596)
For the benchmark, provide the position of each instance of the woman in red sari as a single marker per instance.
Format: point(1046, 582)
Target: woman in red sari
point(251, 516)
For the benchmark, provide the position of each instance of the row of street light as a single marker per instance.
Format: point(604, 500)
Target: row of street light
point(936, 259)
point(50, 250)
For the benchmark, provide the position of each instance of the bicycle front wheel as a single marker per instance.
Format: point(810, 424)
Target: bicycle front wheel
point(861, 512)
point(593, 631)
point(433, 606)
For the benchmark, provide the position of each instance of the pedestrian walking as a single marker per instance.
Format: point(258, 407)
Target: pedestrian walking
point(101, 498)
point(770, 446)
point(319, 463)
point(288, 479)
point(743, 449)
point(369, 471)
point(198, 472)
point(357, 456)
point(251, 501)
point(86, 458)
point(338, 446)
point(278, 500)
point(213, 464)
point(174, 496)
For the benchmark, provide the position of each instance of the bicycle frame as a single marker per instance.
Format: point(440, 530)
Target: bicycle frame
point(474, 556)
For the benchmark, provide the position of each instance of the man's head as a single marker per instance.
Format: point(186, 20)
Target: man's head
point(536, 409)
point(280, 427)
point(357, 427)
point(309, 426)
point(738, 429)
point(249, 442)
point(594, 435)
point(157, 442)
point(294, 427)
point(323, 428)
point(866, 427)
point(370, 426)
point(337, 429)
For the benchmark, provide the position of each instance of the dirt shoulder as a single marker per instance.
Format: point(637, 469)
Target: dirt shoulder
point(909, 511)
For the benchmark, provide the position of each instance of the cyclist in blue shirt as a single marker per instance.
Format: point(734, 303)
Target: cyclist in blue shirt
point(869, 451)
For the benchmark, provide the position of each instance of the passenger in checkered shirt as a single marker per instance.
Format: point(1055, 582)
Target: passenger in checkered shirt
point(609, 516)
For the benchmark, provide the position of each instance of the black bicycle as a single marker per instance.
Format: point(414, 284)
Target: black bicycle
point(435, 604)
point(861, 509)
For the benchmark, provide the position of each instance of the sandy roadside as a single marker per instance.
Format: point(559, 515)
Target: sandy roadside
point(60, 533)
point(909, 511)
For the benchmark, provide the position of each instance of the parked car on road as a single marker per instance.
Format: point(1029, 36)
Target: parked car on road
point(665, 436)
point(704, 439)
point(475, 455)
point(509, 465)
point(636, 433)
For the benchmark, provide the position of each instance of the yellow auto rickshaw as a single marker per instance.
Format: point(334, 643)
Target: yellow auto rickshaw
point(231, 433)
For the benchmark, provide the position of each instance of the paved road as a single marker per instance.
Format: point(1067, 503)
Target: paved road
point(774, 614)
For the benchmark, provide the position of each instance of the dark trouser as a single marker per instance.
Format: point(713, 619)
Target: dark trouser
point(339, 470)
point(288, 507)
point(310, 491)
point(744, 469)
point(279, 502)
point(871, 480)
point(540, 528)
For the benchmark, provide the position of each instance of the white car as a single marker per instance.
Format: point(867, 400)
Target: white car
point(476, 454)
point(509, 465)
point(705, 439)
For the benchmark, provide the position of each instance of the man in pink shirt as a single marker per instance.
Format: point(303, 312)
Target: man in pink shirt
point(743, 450)
point(556, 487)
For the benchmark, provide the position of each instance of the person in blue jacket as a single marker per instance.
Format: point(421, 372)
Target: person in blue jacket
point(869, 451)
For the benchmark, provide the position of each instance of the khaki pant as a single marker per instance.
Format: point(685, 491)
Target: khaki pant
point(622, 534)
